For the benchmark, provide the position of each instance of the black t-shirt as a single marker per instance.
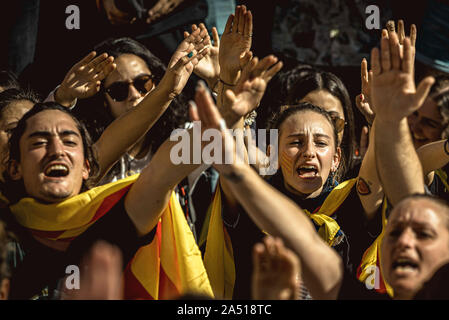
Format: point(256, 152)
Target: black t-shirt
point(359, 232)
point(244, 235)
point(39, 268)
point(352, 289)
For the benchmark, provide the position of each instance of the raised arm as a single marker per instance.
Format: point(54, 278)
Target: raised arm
point(83, 80)
point(394, 97)
point(208, 68)
point(126, 130)
point(276, 214)
point(433, 156)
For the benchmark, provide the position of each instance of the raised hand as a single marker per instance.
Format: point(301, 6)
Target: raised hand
point(162, 8)
point(401, 34)
point(275, 272)
point(250, 88)
point(235, 43)
point(362, 101)
point(393, 92)
point(84, 79)
point(188, 54)
point(208, 68)
point(101, 275)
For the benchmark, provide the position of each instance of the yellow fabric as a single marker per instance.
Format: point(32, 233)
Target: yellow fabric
point(179, 255)
point(175, 249)
point(219, 257)
point(443, 177)
point(328, 227)
point(371, 257)
point(70, 214)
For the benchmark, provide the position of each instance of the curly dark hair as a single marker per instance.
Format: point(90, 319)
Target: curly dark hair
point(291, 86)
point(15, 190)
point(15, 94)
point(439, 92)
point(92, 111)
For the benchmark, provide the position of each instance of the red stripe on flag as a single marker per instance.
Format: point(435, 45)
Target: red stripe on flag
point(133, 288)
point(167, 289)
point(109, 202)
point(46, 234)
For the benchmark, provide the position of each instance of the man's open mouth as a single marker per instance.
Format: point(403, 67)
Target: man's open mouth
point(57, 171)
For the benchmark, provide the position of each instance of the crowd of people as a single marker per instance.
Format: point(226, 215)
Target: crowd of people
point(88, 180)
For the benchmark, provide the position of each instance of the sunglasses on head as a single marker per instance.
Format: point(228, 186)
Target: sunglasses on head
point(119, 91)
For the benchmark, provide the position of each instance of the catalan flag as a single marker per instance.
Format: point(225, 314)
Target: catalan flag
point(219, 256)
point(370, 266)
point(169, 266)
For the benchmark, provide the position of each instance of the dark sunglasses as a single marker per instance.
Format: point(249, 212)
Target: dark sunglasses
point(119, 91)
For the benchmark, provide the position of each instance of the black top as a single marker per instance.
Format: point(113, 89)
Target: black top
point(37, 268)
point(352, 289)
point(436, 287)
point(359, 232)
point(244, 235)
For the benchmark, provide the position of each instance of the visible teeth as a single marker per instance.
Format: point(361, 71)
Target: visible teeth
point(406, 268)
point(58, 167)
point(307, 167)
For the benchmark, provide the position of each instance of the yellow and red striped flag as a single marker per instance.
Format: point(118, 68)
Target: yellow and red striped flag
point(169, 266)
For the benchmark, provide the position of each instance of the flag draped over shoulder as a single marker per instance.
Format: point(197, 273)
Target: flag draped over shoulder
point(370, 267)
point(219, 256)
point(170, 266)
point(219, 259)
point(328, 228)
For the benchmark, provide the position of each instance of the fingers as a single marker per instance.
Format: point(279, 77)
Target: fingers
point(193, 111)
point(407, 61)
point(375, 62)
point(84, 61)
point(273, 70)
point(241, 21)
point(401, 31)
point(229, 22)
point(105, 71)
point(364, 76)
point(248, 31)
point(207, 110)
point(390, 26)
point(385, 53)
point(215, 37)
point(395, 51)
point(364, 141)
point(423, 90)
point(97, 61)
point(413, 35)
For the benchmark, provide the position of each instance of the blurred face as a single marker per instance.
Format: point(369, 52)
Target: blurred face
point(9, 118)
point(426, 124)
point(52, 163)
point(415, 245)
point(307, 152)
point(330, 103)
point(128, 84)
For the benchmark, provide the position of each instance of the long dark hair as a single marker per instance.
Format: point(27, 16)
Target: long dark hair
point(92, 111)
point(14, 190)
